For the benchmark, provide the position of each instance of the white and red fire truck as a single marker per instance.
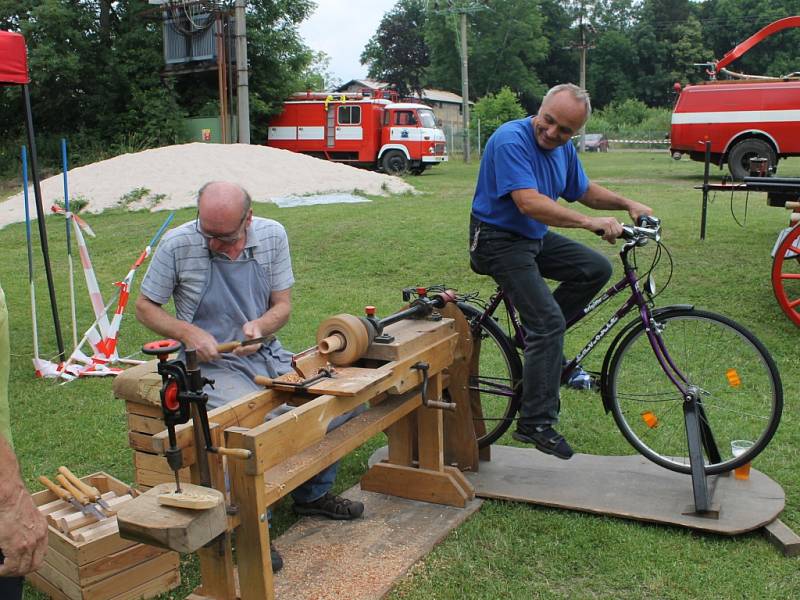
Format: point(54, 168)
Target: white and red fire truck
point(366, 131)
point(742, 118)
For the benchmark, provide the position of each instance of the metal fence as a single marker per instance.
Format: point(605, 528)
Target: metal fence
point(617, 140)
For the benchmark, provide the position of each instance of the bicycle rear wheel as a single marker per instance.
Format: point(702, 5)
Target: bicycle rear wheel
point(740, 396)
point(495, 380)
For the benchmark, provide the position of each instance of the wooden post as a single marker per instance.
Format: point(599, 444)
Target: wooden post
point(252, 537)
point(216, 561)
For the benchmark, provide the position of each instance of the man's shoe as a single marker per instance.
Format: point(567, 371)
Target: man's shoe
point(275, 557)
point(579, 379)
point(331, 506)
point(546, 439)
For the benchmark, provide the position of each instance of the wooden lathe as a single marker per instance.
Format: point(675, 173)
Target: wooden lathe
point(410, 369)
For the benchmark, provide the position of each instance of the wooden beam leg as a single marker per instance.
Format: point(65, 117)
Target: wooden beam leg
point(431, 429)
point(460, 443)
point(402, 440)
point(252, 537)
point(216, 560)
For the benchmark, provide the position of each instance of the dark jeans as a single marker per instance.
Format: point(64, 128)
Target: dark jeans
point(520, 266)
point(11, 588)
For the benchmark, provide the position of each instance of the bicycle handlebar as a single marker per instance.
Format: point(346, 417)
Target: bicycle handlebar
point(648, 228)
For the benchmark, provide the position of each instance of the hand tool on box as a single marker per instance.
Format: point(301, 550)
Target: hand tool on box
point(181, 394)
point(89, 491)
point(81, 497)
point(67, 496)
point(231, 346)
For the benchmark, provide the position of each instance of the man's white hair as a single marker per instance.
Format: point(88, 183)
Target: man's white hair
point(577, 93)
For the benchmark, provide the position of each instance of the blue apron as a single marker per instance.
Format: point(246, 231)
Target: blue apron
point(236, 292)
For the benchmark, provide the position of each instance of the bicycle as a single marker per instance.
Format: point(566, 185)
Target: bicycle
point(702, 357)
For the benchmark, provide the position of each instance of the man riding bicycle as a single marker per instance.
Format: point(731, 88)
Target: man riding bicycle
point(526, 166)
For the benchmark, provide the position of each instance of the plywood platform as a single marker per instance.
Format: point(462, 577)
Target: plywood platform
point(630, 487)
point(361, 559)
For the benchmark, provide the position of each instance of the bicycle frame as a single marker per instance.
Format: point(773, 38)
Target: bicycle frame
point(630, 280)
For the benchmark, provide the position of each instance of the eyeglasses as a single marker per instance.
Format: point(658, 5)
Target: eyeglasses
point(228, 238)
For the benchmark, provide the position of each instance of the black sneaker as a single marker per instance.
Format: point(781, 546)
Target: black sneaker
point(275, 557)
point(546, 439)
point(331, 506)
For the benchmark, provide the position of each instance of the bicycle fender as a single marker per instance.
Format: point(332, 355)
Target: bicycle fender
point(637, 322)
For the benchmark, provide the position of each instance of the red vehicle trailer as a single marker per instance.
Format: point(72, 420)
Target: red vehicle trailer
point(743, 119)
point(367, 131)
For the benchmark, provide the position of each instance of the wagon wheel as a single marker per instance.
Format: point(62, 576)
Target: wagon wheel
point(786, 275)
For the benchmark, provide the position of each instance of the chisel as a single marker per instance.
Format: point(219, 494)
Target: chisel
point(68, 497)
point(231, 346)
point(81, 498)
point(90, 492)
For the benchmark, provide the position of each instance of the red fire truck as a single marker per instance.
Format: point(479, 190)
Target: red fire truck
point(367, 131)
point(743, 118)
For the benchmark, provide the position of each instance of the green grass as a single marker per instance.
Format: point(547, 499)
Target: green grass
point(350, 255)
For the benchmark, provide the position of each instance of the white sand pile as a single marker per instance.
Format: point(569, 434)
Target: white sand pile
point(172, 175)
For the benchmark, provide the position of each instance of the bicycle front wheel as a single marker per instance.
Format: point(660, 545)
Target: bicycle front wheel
point(495, 380)
point(738, 387)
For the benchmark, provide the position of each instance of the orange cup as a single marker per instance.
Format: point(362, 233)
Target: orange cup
point(739, 447)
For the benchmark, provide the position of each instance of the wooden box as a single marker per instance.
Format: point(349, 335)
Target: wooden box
point(104, 568)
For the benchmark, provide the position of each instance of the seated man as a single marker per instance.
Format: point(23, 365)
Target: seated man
point(230, 275)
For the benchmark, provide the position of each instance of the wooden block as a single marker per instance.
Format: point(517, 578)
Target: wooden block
point(158, 463)
point(779, 534)
point(144, 520)
point(411, 335)
point(142, 442)
point(153, 478)
point(43, 585)
point(148, 425)
point(140, 384)
point(146, 410)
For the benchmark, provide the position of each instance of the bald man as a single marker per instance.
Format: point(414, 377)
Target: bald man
point(526, 167)
point(230, 275)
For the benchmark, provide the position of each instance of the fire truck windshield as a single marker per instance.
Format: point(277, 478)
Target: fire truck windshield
point(426, 118)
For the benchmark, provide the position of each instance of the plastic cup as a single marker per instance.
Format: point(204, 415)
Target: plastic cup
point(739, 447)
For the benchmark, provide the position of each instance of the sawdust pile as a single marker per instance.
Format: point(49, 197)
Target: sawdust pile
point(168, 178)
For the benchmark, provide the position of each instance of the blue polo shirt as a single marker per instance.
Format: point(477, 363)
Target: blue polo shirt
point(512, 160)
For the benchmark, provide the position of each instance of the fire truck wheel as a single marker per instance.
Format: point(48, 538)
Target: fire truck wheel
point(395, 162)
point(741, 153)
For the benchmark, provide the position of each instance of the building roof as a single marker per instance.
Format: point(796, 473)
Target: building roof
point(427, 94)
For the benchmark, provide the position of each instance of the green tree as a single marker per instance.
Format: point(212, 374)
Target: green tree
point(495, 109)
point(397, 53)
point(505, 43)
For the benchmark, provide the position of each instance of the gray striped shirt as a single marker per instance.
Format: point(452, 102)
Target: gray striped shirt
point(181, 264)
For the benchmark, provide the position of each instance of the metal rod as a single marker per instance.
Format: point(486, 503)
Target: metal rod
point(37, 192)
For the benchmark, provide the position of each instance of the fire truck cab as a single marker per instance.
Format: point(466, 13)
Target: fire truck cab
point(367, 131)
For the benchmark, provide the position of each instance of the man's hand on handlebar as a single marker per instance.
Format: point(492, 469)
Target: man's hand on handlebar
point(637, 210)
point(606, 227)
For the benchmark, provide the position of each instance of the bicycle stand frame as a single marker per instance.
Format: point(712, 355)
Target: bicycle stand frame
point(698, 435)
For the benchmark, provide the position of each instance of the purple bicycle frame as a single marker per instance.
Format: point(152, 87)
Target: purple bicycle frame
point(636, 299)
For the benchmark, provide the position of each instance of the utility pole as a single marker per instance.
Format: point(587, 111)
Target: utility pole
point(465, 87)
point(462, 8)
point(242, 86)
point(583, 46)
point(582, 76)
